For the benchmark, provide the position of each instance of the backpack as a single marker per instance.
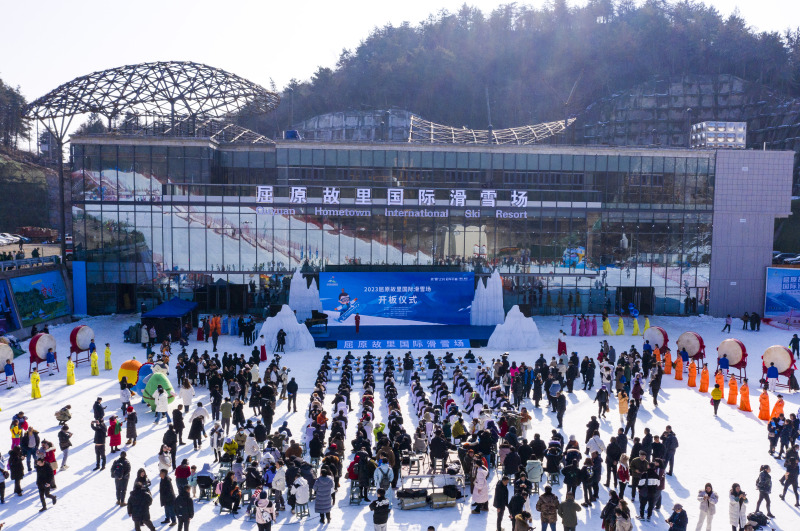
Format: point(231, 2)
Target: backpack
point(385, 483)
point(759, 518)
point(118, 470)
point(352, 471)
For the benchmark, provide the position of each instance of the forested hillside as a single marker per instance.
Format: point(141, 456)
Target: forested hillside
point(530, 59)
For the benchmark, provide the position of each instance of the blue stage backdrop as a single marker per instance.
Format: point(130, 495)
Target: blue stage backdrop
point(397, 298)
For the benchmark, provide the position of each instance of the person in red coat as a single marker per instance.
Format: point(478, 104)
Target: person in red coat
point(114, 433)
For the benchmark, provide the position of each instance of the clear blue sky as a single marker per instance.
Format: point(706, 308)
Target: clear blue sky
point(48, 42)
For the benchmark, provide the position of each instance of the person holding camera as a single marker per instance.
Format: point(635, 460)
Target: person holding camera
point(737, 509)
point(708, 506)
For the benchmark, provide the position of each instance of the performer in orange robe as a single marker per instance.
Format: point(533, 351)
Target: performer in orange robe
point(733, 391)
point(763, 406)
point(667, 362)
point(744, 401)
point(692, 375)
point(678, 368)
point(777, 411)
point(704, 379)
point(657, 354)
point(719, 378)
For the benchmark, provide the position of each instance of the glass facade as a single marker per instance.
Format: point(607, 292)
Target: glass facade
point(570, 230)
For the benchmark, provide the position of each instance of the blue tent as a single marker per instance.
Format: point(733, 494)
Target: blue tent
point(170, 317)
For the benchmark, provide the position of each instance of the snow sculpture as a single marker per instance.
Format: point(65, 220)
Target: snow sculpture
point(516, 333)
point(303, 299)
point(487, 306)
point(297, 335)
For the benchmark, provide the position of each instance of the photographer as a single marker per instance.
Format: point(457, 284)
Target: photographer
point(737, 510)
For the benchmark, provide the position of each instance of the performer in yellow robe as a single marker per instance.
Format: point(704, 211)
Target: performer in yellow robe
point(744, 397)
point(692, 374)
point(636, 327)
point(108, 366)
point(763, 406)
point(678, 368)
point(704, 377)
point(620, 327)
point(646, 324)
point(35, 379)
point(667, 362)
point(70, 371)
point(95, 368)
point(607, 327)
point(733, 391)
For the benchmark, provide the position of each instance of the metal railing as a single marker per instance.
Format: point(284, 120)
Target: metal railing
point(28, 262)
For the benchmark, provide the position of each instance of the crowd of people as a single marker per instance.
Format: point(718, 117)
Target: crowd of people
point(470, 424)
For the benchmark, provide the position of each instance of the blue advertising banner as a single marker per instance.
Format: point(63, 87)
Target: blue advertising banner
point(9, 320)
point(356, 344)
point(40, 297)
point(397, 298)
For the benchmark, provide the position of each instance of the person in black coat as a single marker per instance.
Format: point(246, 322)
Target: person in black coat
point(98, 409)
point(184, 508)
point(196, 432)
point(171, 439)
point(100, 434)
point(438, 449)
point(44, 482)
point(501, 500)
point(16, 468)
point(655, 384)
point(121, 472)
point(139, 503)
point(537, 390)
point(538, 447)
point(633, 411)
point(177, 423)
point(613, 453)
point(517, 503)
point(561, 407)
point(591, 427)
point(647, 443)
point(166, 494)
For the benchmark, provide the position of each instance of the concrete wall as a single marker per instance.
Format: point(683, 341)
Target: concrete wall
point(751, 189)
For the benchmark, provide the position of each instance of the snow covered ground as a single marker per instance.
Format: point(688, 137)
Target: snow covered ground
point(721, 450)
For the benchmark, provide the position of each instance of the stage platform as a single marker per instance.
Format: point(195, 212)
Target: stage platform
point(467, 336)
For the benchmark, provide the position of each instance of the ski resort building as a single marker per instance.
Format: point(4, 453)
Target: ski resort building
point(220, 214)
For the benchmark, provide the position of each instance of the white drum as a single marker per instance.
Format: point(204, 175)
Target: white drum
point(81, 337)
point(6, 354)
point(690, 341)
point(39, 345)
point(656, 336)
point(779, 355)
point(733, 348)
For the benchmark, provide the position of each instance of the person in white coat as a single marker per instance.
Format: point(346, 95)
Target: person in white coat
point(480, 492)
point(251, 448)
point(708, 506)
point(595, 444)
point(144, 336)
point(279, 484)
point(162, 405)
point(298, 492)
point(217, 440)
point(737, 509)
point(186, 394)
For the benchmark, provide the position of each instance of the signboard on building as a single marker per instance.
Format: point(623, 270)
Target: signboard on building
point(40, 297)
point(397, 298)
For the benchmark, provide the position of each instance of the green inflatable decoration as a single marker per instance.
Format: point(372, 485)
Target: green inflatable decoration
point(151, 389)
